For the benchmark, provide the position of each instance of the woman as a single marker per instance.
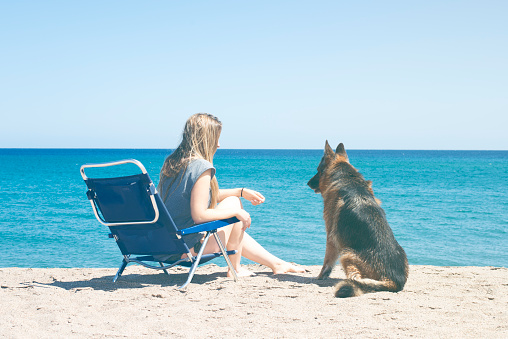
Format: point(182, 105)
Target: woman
point(191, 193)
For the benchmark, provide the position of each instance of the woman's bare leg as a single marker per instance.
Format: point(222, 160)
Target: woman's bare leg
point(236, 239)
point(252, 250)
point(231, 236)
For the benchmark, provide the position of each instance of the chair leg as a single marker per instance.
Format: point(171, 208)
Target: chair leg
point(196, 262)
point(225, 254)
point(120, 270)
point(162, 265)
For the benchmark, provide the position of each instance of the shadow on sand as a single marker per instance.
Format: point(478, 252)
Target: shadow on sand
point(174, 279)
point(134, 280)
point(298, 279)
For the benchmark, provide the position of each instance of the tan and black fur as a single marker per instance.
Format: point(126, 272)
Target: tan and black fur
point(356, 230)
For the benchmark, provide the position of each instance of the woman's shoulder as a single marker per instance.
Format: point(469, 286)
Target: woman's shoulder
point(199, 166)
point(198, 163)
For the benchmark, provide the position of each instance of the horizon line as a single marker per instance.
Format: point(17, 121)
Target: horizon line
point(251, 149)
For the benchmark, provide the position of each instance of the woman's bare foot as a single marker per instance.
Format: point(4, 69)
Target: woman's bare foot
point(242, 272)
point(285, 267)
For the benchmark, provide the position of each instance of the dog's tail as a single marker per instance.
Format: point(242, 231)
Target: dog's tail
point(352, 288)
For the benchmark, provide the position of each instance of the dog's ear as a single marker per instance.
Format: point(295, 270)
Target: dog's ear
point(341, 151)
point(328, 150)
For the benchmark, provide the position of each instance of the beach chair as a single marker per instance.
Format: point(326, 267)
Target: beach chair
point(141, 225)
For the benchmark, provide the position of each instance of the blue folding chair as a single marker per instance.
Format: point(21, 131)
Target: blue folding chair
point(141, 225)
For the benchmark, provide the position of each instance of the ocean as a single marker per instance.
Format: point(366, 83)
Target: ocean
point(446, 208)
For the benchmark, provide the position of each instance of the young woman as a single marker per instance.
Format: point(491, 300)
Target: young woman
point(191, 193)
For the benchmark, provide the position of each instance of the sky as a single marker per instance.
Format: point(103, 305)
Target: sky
point(278, 74)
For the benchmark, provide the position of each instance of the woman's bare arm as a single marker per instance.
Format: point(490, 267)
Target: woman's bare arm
point(254, 197)
point(199, 204)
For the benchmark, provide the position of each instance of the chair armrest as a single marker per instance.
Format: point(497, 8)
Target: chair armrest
point(207, 226)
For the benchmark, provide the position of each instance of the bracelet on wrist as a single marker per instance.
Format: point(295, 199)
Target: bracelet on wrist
point(241, 192)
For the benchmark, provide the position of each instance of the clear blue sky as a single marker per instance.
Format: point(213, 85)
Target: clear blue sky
point(279, 74)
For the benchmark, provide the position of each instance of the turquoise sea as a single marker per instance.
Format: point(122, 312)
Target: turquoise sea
point(445, 207)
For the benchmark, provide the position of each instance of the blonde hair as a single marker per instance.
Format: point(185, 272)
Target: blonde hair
point(200, 139)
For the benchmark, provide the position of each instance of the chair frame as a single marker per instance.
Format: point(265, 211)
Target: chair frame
point(192, 261)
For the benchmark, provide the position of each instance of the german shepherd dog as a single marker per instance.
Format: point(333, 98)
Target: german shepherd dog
point(356, 230)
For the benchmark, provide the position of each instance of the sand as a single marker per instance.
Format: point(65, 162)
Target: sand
point(438, 302)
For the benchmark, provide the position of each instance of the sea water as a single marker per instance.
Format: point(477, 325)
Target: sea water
point(444, 207)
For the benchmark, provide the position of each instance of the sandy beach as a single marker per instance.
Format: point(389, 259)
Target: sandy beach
point(444, 302)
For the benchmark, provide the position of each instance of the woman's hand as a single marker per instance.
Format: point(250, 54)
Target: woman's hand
point(254, 197)
point(244, 217)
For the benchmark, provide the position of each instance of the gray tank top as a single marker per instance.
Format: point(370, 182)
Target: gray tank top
point(178, 197)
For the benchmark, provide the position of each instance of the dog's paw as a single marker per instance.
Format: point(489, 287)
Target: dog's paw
point(325, 273)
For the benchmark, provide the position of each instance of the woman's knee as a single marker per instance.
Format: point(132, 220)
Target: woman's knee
point(230, 202)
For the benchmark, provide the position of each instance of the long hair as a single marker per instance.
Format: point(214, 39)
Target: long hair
point(200, 138)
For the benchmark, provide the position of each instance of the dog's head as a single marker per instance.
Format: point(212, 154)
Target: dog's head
point(329, 156)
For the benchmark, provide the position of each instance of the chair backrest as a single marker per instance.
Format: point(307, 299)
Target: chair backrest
point(123, 199)
point(136, 216)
